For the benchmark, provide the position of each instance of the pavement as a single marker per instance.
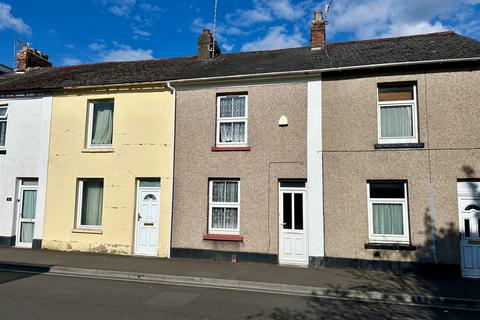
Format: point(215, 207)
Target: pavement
point(351, 284)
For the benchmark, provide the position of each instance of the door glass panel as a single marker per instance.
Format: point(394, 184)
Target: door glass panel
point(298, 207)
point(29, 182)
point(29, 203)
point(150, 183)
point(467, 228)
point(26, 232)
point(150, 197)
point(287, 211)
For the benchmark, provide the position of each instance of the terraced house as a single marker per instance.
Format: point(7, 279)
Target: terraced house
point(357, 154)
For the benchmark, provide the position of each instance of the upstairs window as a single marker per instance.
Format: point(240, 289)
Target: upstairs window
point(232, 120)
point(397, 113)
point(100, 124)
point(3, 125)
point(388, 212)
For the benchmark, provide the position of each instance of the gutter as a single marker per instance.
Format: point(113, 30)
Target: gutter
point(174, 93)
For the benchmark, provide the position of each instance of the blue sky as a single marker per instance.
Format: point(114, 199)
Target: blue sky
point(86, 31)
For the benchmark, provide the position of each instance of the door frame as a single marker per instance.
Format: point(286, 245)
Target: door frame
point(466, 195)
point(19, 199)
point(282, 190)
point(137, 208)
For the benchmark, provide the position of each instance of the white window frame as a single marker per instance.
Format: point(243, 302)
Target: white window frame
point(212, 204)
point(389, 238)
point(91, 106)
point(4, 119)
point(393, 103)
point(232, 119)
point(80, 201)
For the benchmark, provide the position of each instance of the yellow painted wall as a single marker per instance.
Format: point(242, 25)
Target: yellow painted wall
point(142, 148)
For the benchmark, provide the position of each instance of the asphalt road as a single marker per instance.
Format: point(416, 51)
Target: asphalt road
point(26, 296)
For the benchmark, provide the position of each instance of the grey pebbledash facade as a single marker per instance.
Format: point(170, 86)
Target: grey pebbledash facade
point(357, 154)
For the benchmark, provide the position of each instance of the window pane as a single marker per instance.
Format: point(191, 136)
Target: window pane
point(218, 192)
point(102, 127)
point(238, 132)
point(287, 211)
point(238, 107)
point(150, 183)
point(29, 203)
point(388, 218)
point(29, 182)
point(292, 184)
point(26, 232)
point(3, 131)
point(467, 228)
point(3, 112)
point(298, 203)
point(218, 219)
point(231, 215)
point(231, 192)
point(92, 200)
point(396, 121)
point(387, 190)
point(226, 107)
point(226, 133)
point(387, 93)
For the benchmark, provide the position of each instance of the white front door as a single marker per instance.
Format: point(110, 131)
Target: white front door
point(148, 212)
point(469, 212)
point(293, 227)
point(26, 210)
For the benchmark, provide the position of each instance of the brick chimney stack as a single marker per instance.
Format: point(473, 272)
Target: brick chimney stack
point(206, 44)
point(317, 31)
point(31, 58)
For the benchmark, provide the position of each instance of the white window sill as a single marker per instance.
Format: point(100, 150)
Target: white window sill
point(98, 150)
point(92, 231)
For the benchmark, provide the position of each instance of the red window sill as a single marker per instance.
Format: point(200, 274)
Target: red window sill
point(223, 237)
point(230, 148)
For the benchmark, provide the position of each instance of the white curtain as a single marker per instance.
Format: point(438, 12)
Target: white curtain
point(29, 203)
point(232, 132)
point(387, 218)
point(225, 107)
point(238, 107)
point(224, 218)
point(225, 191)
point(26, 232)
point(102, 123)
point(3, 131)
point(92, 201)
point(396, 121)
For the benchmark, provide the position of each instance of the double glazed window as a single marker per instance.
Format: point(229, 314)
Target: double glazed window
point(100, 124)
point(232, 120)
point(388, 212)
point(90, 203)
point(3, 124)
point(224, 207)
point(397, 114)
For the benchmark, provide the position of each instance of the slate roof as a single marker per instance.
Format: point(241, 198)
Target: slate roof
point(433, 46)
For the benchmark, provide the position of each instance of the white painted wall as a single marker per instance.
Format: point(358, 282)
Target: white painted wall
point(316, 246)
point(27, 142)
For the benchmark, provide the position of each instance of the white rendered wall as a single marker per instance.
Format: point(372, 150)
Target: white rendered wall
point(26, 145)
point(316, 246)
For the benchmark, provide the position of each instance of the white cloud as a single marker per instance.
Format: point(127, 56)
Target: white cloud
point(8, 21)
point(276, 38)
point(227, 47)
point(96, 46)
point(126, 53)
point(138, 32)
point(70, 61)
point(379, 18)
point(119, 8)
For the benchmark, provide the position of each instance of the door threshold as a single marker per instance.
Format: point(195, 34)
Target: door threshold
point(293, 264)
